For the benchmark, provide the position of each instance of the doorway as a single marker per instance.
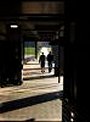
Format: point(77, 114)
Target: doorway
point(32, 52)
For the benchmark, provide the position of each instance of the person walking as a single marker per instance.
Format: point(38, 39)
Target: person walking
point(42, 62)
point(50, 61)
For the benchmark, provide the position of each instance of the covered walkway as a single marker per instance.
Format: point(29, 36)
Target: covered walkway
point(37, 99)
point(32, 70)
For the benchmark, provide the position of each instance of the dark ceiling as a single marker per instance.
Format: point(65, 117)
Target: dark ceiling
point(37, 19)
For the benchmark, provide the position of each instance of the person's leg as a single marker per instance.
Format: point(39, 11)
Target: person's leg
point(49, 68)
point(43, 67)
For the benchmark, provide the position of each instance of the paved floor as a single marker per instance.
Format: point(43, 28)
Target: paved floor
point(32, 70)
point(35, 100)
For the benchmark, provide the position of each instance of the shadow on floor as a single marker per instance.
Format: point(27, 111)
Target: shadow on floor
point(30, 101)
point(29, 120)
point(39, 77)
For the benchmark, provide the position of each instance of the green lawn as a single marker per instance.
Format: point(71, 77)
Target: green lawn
point(29, 50)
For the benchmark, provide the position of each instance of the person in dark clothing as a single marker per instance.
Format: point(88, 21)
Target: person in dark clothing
point(50, 60)
point(42, 62)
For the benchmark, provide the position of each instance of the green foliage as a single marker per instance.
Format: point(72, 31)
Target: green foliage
point(29, 50)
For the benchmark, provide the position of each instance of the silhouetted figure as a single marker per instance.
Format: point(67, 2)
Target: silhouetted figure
point(50, 61)
point(42, 62)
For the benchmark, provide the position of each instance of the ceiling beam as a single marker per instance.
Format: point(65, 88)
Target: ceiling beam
point(33, 17)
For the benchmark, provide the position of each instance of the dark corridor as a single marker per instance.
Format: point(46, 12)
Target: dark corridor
point(65, 24)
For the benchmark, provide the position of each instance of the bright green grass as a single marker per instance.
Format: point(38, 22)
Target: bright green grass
point(29, 50)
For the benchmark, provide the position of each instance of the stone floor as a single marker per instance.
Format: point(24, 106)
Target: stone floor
point(35, 100)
